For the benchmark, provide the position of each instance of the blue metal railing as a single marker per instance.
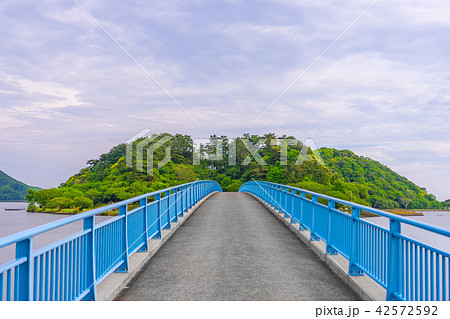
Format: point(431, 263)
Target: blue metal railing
point(406, 268)
point(70, 269)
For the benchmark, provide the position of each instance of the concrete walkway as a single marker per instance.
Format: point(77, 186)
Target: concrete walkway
point(233, 248)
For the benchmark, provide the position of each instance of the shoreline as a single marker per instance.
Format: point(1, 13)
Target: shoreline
point(69, 213)
point(405, 212)
point(400, 212)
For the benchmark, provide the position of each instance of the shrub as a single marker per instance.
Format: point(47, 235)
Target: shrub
point(32, 208)
point(95, 195)
point(234, 186)
point(83, 202)
point(60, 202)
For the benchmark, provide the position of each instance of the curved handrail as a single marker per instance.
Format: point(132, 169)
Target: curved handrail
point(429, 227)
point(407, 268)
point(71, 268)
point(8, 240)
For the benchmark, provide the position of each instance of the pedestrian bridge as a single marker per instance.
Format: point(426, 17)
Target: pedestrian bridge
point(233, 248)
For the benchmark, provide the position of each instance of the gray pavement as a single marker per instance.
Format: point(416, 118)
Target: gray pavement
point(233, 248)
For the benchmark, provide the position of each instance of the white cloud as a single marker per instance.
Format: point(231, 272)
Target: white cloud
point(420, 13)
point(383, 90)
point(8, 121)
point(71, 15)
point(43, 98)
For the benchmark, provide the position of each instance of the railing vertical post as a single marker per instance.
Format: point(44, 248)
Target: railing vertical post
point(266, 192)
point(274, 197)
point(88, 224)
point(176, 204)
point(186, 194)
point(394, 265)
point(158, 216)
point(193, 195)
point(330, 250)
point(167, 212)
point(296, 203)
point(313, 236)
point(270, 196)
point(292, 194)
point(143, 204)
point(279, 198)
point(263, 192)
point(183, 200)
point(186, 198)
point(302, 208)
point(197, 193)
point(124, 266)
point(353, 269)
point(189, 198)
point(24, 271)
point(280, 201)
point(181, 195)
point(173, 206)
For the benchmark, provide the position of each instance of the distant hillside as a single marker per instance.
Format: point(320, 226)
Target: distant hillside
point(376, 183)
point(11, 189)
point(345, 175)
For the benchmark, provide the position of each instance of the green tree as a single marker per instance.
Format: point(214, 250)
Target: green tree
point(59, 202)
point(83, 202)
point(447, 203)
point(234, 186)
point(409, 196)
point(95, 195)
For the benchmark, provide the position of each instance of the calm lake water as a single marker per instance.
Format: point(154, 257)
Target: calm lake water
point(15, 221)
point(12, 222)
point(436, 218)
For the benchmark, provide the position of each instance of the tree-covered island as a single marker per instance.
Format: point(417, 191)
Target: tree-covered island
point(232, 162)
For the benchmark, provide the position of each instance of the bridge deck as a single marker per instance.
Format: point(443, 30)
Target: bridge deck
point(233, 248)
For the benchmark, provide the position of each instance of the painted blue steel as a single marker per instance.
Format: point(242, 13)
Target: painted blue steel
point(406, 268)
point(136, 229)
point(70, 269)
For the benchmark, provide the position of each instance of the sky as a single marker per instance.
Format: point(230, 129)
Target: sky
point(79, 77)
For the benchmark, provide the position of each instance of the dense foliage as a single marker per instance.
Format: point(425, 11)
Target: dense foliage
point(231, 163)
point(11, 189)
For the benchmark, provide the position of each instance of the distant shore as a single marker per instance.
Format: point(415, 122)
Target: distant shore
point(414, 212)
point(405, 212)
point(71, 212)
point(398, 211)
point(12, 201)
